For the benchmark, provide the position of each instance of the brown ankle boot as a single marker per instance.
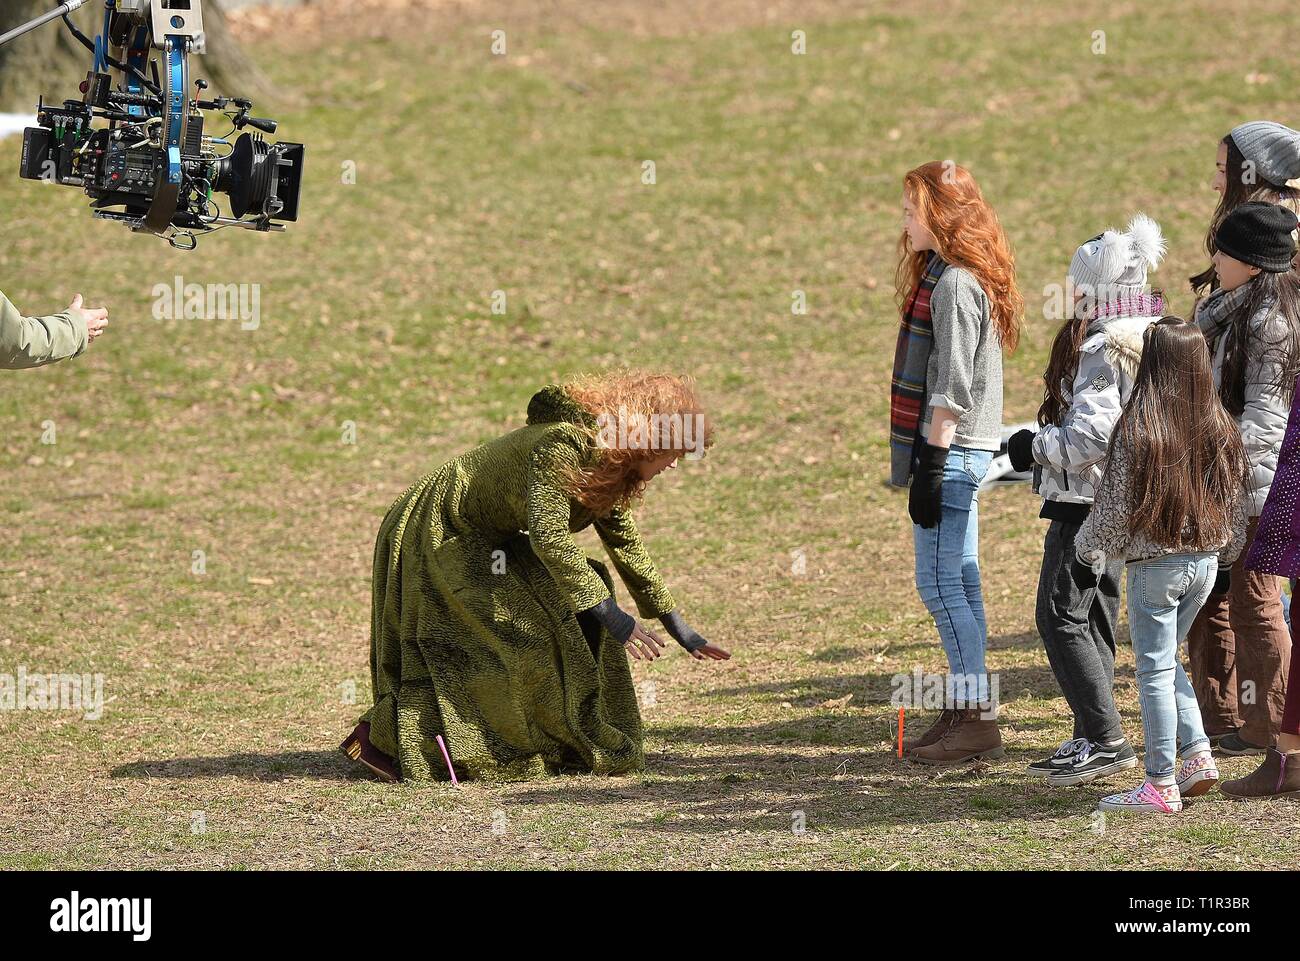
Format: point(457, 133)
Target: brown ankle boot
point(932, 733)
point(1278, 776)
point(970, 737)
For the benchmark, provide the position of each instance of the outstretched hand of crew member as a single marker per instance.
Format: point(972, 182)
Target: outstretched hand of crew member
point(96, 318)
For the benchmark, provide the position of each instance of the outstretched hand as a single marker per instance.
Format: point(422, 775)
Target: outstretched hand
point(96, 318)
point(644, 645)
point(689, 638)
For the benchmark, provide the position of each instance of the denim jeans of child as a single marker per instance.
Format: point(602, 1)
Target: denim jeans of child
point(1164, 596)
point(948, 573)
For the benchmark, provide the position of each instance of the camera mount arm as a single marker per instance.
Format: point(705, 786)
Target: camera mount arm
point(175, 27)
point(61, 10)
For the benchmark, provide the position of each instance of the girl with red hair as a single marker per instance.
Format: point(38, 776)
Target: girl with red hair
point(960, 308)
point(494, 636)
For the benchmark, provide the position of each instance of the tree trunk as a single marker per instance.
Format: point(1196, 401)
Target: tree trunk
point(50, 61)
point(225, 64)
point(47, 61)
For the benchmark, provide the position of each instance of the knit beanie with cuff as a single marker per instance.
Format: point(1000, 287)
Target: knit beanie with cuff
point(1114, 264)
point(1273, 148)
point(1259, 234)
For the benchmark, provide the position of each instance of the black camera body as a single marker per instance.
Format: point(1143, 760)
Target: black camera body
point(120, 168)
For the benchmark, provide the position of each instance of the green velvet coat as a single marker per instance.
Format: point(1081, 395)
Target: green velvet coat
point(477, 581)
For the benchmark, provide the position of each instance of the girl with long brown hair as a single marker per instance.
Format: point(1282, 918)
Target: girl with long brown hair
point(1259, 160)
point(1172, 506)
point(1240, 646)
point(494, 637)
point(1089, 376)
point(960, 308)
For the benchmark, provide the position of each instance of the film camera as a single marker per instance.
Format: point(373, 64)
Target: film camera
point(138, 141)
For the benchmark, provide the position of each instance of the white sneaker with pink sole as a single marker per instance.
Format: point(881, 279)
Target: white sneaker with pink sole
point(1148, 797)
point(1197, 775)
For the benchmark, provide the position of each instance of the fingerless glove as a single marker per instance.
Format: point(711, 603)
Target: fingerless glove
point(613, 618)
point(681, 632)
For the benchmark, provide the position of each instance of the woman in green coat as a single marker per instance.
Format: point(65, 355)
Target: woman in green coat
point(491, 627)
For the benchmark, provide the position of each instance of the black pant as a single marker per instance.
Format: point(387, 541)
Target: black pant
point(1076, 619)
point(591, 630)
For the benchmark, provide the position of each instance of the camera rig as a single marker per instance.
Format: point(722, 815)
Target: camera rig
point(136, 141)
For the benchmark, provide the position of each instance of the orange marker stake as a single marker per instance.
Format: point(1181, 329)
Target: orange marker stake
point(900, 732)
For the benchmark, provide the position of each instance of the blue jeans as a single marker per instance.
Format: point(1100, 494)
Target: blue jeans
point(948, 572)
point(1164, 596)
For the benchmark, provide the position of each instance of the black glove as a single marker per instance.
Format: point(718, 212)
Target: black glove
point(1083, 574)
point(925, 499)
point(1222, 582)
point(613, 618)
point(1020, 450)
point(682, 632)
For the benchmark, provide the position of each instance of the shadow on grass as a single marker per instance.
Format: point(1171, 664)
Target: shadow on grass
point(754, 792)
point(871, 690)
point(250, 767)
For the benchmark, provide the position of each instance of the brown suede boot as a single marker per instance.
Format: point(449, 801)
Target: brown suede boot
point(969, 738)
point(932, 733)
point(1278, 776)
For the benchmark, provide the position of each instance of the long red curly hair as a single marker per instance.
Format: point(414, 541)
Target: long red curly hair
point(612, 480)
point(967, 234)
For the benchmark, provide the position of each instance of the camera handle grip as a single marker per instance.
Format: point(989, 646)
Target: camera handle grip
point(261, 123)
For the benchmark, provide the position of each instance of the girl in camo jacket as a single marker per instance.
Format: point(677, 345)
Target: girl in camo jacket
point(1089, 376)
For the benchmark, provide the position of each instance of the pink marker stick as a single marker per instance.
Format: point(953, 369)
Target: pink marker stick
point(446, 757)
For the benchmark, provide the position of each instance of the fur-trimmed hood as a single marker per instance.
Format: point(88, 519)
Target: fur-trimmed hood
point(1123, 340)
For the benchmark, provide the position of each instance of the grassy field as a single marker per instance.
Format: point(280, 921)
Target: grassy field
point(229, 690)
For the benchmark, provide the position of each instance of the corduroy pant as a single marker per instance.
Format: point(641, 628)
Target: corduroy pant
point(1240, 651)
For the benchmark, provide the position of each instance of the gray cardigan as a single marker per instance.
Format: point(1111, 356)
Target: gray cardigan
point(965, 369)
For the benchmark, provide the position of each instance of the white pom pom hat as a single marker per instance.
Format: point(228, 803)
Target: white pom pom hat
point(1116, 263)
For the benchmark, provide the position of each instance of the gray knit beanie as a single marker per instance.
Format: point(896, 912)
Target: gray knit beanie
point(1271, 147)
point(1116, 263)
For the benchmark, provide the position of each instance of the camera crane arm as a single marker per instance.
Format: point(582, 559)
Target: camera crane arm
point(62, 10)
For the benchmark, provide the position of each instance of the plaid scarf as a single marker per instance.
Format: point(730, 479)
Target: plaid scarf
point(911, 360)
